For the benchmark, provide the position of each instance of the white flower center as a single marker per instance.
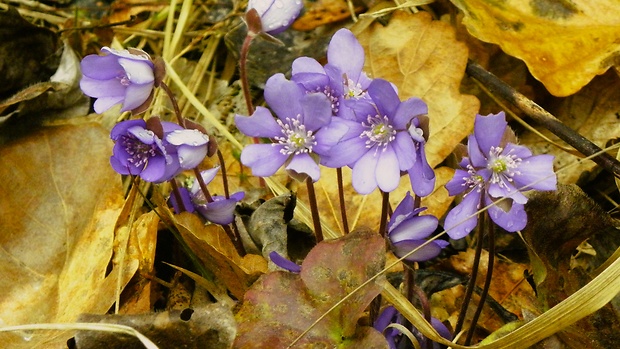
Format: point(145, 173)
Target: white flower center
point(379, 131)
point(474, 180)
point(335, 102)
point(139, 153)
point(296, 139)
point(353, 89)
point(503, 166)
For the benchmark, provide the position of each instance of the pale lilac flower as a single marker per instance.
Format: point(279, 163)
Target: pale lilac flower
point(496, 169)
point(380, 143)
point(220, 211)
point(407, 230)
point(276, 15)
point(300, 133)
point(117, 77)
point(191, 146)
point(341, 79)
point(393, 336)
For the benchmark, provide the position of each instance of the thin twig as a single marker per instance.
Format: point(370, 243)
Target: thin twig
point(343, 210)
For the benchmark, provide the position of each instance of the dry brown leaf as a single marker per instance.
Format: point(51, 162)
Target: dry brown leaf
point(564, 43)
point(60, 204)
point(423, 59)
point(214, 248)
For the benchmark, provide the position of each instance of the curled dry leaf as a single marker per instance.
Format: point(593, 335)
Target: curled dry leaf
point(564, 43)
point(218, 254)
point(60, 204)
point(423, 59)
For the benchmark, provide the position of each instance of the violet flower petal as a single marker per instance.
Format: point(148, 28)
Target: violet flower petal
point(364, 178)
point(101, 67)
point(221, 210)
point(306, 65)
point(489, 131)
point(406, 111)
point(138, 72)
point(536, 172)
point(154, 170)
point(387, 170)
point(283, 97)
point(346, 53)
point(405, 150)
point(104, 103)
point(430, 251)
point(414, 228)
point(102, 88)
point(385, 98)
point(284, 263)
point(421, 175)
point(136, 95)
point(513, 220)
point(263, 159)
point(304, 163)
point(260, 124)
point(461, 220)
point(316, 111)
point(457, 184)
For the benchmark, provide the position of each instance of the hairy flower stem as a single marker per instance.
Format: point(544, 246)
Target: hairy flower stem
point(385, 206)
point(235, 229)
point(177, 195)
point(343, 210)
point(314, 209)
point(487, 281)
point(175, 105)
point(543, 117)
point(243, 75)
point(471, 284)
point(220, 157)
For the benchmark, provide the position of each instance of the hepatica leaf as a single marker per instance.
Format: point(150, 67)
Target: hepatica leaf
point(281, 305)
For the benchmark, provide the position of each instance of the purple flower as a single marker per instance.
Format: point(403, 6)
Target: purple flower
point(125, 77)
point(297, 132)
point(342, 78)
point(383, 141)
point(276, 15)
point(407, 230)
point(394, 337)
point(219, 211)
point(496, 169)
point(157, 151)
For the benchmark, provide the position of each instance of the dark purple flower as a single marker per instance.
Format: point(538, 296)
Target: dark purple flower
point(219, 211)
point(393, 336)
point(407, 230)
point(276, 15)
point(341, 79)
point(139, 151)
point(157, 154)
point(496, 169)
point(300, 132)
point(284, 263)
point(383, 141)
point(125, 77)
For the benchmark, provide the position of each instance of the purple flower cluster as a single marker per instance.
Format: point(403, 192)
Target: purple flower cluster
point(334, 115)
point(496, 169)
